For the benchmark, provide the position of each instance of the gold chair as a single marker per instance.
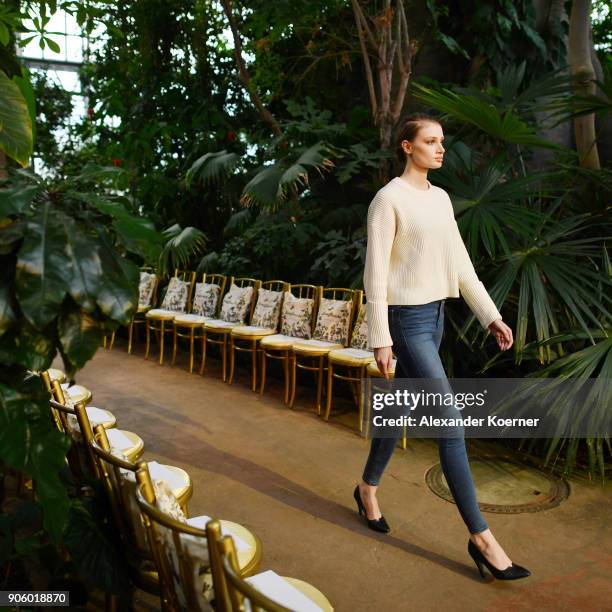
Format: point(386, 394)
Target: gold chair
point(176, 301)
point(206, 304)
point(126, 441)
point(118, 477)
point(180, 549)
point(334, 318)
point(264, 323)
point(298, 317)
point(235, 593)
point(56, 374)
point(236, 308)
point(147, 296)
point(373, 372)
point(355, 359)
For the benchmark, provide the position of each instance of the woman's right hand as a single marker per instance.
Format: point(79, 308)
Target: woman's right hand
point(384, 360)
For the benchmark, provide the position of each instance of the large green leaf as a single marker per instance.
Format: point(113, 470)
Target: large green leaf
point(16, 137)
point(29, 441)
point(15, 200)
point(80, 335)
point(138, 234)
point(24, 345)
point(118, 291)
point(86, 268)
point(43, 267)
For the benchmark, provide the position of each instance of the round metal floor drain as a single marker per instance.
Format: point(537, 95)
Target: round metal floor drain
point(505, 486)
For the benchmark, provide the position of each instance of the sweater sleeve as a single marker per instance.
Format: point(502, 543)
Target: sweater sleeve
point(381, 233)
point(471, 288)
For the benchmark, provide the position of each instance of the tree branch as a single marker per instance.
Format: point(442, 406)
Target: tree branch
point(245, 77)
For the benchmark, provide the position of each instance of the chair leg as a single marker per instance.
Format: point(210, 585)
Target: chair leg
point(286, 373)
point(161, 342)
point(191, 348)
point(148, 339)
point(319, 384)
point(112, 341)
point(130, 336)
point(293, 376)
point(203, 363)
point(254, 365)
point(174, 343)
point(330, 383)
point(361, 399)
point(224, 357)
point(232, 351)
point(264, 361)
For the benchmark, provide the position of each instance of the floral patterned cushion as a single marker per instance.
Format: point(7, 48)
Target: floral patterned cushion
point(267, 309)
point(359, 339)
point(166, 502)
point(296, 316)
point(194, 550)
point(176, 295)
point(205, 299)
point(236, 304)
point(146, 287)
point(333, 321)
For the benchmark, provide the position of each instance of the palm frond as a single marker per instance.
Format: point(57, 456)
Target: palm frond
point(211, 167)
point(181, 245)
point(506, 126)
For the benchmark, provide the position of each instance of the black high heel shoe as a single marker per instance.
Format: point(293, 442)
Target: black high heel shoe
point(380, 524)
point(513, 572)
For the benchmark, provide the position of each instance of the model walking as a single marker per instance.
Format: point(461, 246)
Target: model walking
point(415, 259)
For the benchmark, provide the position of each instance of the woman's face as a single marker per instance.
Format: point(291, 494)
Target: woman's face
point(426, 149)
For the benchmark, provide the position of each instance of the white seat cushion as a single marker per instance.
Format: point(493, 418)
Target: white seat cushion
point(191, 319)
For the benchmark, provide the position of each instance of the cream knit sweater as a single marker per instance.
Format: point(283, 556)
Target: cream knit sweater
point(416, 255)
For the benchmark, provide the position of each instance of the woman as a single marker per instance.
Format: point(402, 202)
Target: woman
point(415, 259)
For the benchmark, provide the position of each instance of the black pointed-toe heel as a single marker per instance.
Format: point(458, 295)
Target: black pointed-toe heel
point(512, 572)
point(380, 524)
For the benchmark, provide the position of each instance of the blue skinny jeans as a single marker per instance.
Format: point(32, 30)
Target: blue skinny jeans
point(416, 331)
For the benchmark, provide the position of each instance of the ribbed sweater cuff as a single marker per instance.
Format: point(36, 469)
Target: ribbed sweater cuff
point(378, 325)
point(480, 303)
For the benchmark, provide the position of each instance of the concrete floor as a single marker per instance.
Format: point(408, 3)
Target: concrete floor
point(289, 476)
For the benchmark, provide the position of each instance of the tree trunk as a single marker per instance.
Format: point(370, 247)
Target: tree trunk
point(582, 67)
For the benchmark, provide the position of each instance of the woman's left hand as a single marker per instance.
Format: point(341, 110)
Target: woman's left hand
point(502, 333)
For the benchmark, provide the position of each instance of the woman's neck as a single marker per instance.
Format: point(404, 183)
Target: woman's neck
point(416, 179)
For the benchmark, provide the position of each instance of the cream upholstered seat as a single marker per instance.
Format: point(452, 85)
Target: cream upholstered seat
point(176, 301)
point(76, 393)
point(335, 313)
point(180, 547)
point(236, 309)
point(266, 591)
point(264, 322)
point(205, 306)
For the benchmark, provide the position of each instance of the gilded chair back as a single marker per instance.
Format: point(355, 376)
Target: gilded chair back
point(248, 282)
point(216, 279)
point(120, 493)
point(311, 292)
point(344, 294)
point(359, 299)
point(188, 277)
point(176, 563)
point(238, 590)
point(153, 300)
